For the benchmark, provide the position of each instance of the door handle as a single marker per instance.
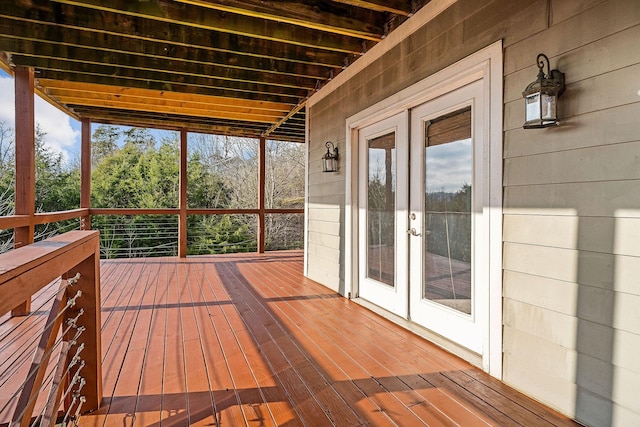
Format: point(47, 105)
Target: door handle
point(413, 232)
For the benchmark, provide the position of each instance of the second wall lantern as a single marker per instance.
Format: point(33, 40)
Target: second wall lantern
point(541, 96)
point(330, 159)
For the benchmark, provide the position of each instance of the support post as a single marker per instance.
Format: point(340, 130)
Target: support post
point(182, 222)
point(89, 284)
point(261, 193)
point(25, 186)
point(85, 173)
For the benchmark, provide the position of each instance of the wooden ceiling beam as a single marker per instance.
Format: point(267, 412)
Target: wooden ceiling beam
point(98, 73)
point(206, 19)
point(258, 117)
point(166, 86)
point(398, 7)
point(199, 127)
point(83, 97)
point(143, 118)
point(32, 52)
point(103, 44)
point(66, 17)
point(171, 107)
point(177, 126)
point(56, 87)
point(319, 15)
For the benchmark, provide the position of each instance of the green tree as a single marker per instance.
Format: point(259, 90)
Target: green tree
point(57, 184)
point(104, 143)
point(117, 180)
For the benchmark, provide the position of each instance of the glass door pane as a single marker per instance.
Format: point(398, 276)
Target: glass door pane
point(381, 196)
point(448, 156)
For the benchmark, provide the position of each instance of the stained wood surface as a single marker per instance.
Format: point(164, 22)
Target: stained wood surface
point(246, 340)
point(152, 64)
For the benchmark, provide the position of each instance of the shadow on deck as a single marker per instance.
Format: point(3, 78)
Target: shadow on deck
point(247, 340)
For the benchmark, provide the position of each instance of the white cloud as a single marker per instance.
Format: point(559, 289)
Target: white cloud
point(61, 137)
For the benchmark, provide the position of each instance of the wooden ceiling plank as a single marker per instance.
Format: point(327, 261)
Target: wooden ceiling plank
point(398, 7)
point(323, 16)
point(97, 73)
point(173, 108)
point(21, 31)
point(185, 111)
point(279, 123)
point(61, 85)
point(167, 86)
point(177, 126)
point(204, 19)
point(23, 50)
point(67, 96)
point(66, 17)
point(144, 119)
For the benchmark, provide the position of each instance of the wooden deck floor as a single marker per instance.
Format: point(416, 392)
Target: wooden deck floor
point(240, 340)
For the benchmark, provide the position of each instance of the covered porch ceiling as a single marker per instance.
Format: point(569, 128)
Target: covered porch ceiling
point(230, 67)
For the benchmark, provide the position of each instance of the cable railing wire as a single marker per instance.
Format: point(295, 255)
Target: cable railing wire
point(46, 355)
point(29, 344)
point(52, 376)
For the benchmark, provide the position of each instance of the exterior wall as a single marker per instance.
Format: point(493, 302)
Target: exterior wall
point(571, 194)
point(572, 217)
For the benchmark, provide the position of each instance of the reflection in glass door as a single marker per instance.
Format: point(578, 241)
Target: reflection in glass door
point(447, 254)
point(448, 159)
point(382, 213)
point(381, 208)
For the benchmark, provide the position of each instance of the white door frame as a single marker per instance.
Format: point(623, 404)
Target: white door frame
point(485, 65)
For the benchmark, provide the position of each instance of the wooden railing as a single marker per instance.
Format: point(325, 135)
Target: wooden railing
point(15, 221)
point(74, 316)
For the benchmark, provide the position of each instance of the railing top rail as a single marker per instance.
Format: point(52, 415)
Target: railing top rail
point(17, 266)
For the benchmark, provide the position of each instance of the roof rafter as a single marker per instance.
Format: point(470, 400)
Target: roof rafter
point(103, 43)
point(319, 15)
point(207, 19)
point(142, 31)
point(22, 50)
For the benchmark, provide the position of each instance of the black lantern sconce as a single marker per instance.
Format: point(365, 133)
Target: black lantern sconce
point(330, 158)
point(541, 96)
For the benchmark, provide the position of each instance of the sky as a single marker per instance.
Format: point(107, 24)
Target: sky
point(449, 166)
point(62, 131)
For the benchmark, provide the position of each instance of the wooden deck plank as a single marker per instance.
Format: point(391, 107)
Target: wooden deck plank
point(267, 330)
point(123, 404)
point(258, 412)
point(323, 386)
point(149, 393)
point(226, 397)
point(450, 404)
point(298, 397)
point(201, 408)
point(382, 354)
point(305, 367)
point(246, 340)
point(174, 388)
point(371, 376)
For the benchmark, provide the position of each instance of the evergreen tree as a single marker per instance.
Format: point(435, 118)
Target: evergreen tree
point(104, 143)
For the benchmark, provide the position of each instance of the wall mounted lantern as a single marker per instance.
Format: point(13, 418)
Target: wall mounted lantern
point(330, 159)
point(541, 96)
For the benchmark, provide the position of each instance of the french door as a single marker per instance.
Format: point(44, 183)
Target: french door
point(383, 200)
point(449, 250)
point(423, 236)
